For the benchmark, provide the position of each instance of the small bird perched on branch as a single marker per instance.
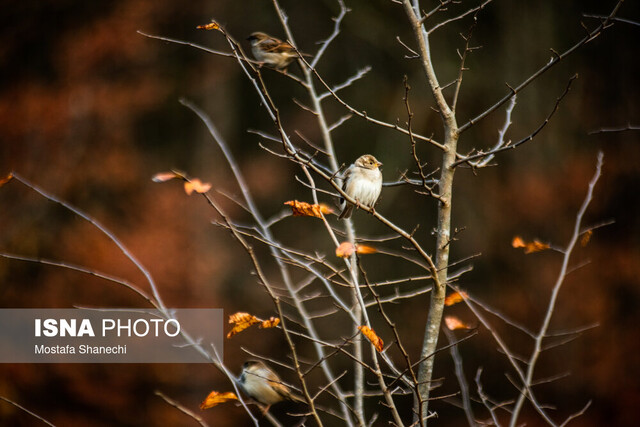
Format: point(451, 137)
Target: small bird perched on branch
point(264, 385)
point(362, 182)
point(272, 51)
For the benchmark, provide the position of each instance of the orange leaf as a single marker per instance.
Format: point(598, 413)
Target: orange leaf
point(517, 242)
point(344, 250)
point(6, 179)
point(164, 176)
point(307, 209)
point(455, 298)
point(364, 249)
point(242, 321)
point(197, 186)
point(167, 176)
point(585, 237)
point(215, 398)
point(272, 322)
point(535, 246)
point(371, 336)
point(325, 209)
point(213, 25)
point(529, 247)
point(454, 323)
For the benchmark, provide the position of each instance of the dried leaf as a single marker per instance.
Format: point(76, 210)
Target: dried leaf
point(371, 336)
point(307, 209)
point(454, 323)
point(213, 25)
point(536, 246)
point(585, 237)
point(529, 247)
point(242, 321)
point(197, 186)
point(325, 209)
point(517, 242)
point(272, 322)
point(455, 298)
point(165, 176)
point(6, 179)
point(344, 250)
point(215, 398)
point(364, 249)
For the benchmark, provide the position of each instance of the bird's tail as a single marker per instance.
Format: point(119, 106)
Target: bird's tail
point(346, 212)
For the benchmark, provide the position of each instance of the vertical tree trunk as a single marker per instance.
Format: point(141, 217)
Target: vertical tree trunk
point(445, 186)
point(436, 306)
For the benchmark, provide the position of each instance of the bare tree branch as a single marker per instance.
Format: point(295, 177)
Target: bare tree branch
point(22, 408)
point(445, 187)
point(619, 129)
point(181, 408)
point(462, 381)
point(485, 399)
point(531, 365)
point(461, 16)
point(528, 138)
point(103, 230)
point(557, 57)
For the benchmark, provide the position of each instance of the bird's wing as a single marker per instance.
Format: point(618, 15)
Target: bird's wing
point(285, 391)
point(276, 46)
point(279, 387)
point(345, 180)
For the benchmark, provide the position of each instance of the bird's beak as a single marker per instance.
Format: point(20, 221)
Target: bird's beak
point(378, 164)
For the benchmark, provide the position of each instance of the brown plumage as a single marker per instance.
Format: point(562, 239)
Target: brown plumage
point(264, 385)
point(271, 51)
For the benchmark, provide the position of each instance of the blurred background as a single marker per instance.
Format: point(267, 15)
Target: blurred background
point(89, 111)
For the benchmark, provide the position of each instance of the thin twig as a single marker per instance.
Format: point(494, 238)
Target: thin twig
point(618, 129)
point(103, 230)
point(462, 381)
point(615, 19)
point(461, 16)
point(22, 408)
point(85, 270)
point(554, 60)
point(501, 134)
point(531, 365)
point(528, 138)
point(485, 399)
point(182, 408)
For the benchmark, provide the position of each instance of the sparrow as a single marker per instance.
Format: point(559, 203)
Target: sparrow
point(271, 51)
point(264, 385)
point(362, 182)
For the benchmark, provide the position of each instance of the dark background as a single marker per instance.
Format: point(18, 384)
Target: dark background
point(89, 111)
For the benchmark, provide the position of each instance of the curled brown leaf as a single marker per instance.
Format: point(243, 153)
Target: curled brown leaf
point(586, 237)
point(529, 247)
point(299, 208)
point(197, 186)
point(213, 25)
point(344, 250)
point(215, 398)
point(373, 337)
point(453, 323)
point(272, 322)
point(455, 298)
point(241, 321)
